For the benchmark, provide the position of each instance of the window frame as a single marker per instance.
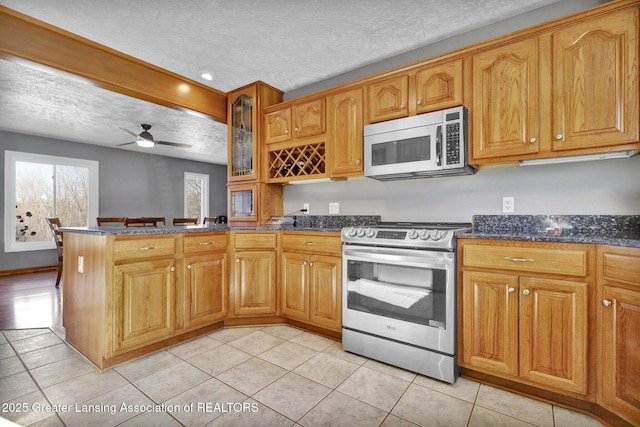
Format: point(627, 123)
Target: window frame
point(204, 200)
point(10, 159)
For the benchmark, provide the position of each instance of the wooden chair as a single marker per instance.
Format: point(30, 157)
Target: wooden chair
point(185, 221)
point(110, 220)
point(54, 225)
point(209, 220)
point(155, 219)
point(140, 222)
point(221, 219)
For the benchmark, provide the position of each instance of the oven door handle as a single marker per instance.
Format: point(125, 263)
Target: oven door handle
point(400, 256)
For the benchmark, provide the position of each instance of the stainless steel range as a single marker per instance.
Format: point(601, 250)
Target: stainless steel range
point(399, 295)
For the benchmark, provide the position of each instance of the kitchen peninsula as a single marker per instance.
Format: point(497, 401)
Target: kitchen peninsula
point(132, 291)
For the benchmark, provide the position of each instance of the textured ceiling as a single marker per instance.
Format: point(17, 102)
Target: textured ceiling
point(285, 43)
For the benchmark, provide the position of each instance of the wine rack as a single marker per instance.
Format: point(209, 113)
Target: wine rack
point(300, 161)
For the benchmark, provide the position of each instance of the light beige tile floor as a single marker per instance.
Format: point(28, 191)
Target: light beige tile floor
point(257, 376)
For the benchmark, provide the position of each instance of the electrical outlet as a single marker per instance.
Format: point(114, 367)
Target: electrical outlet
point(508, 204)
point(306, 206)
point(334, 208)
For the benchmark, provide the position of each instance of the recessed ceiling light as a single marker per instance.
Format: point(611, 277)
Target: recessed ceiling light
point(207, 76)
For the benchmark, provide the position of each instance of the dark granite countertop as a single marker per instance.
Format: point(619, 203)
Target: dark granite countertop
point(614, 230)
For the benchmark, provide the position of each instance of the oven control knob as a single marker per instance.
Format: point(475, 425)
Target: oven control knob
point(369, 232)
point(424, 235)
point(437, 235)
point(413, 234)
point(360, 232)
point(350, 232)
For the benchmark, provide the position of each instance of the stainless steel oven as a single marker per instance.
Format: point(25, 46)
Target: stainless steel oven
point(399, 299)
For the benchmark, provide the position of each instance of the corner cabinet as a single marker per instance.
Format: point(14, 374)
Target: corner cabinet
point(565, 92)
point(524, 313)
point(311, 279)
point(618, 318)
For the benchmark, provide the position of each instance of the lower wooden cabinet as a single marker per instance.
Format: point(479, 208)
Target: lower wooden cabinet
point(206, 282)
point(524, 321)
point(144, 301)
point(618, 312)
point(311, 280)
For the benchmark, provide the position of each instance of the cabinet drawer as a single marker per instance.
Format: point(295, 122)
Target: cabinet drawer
point(539, 260)
point(144, 248)
point(198, 243)
point(312, 243)
point(621, 267)
point(255, 240)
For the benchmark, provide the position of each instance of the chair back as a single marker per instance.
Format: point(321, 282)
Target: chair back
point(155, 219)
point(185, 221)
point(209, 220)
point(140, 222)
point(221, 219)
point(110, 220)
point(54, 225)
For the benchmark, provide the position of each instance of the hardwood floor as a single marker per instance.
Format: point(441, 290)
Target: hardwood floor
point(30, 301)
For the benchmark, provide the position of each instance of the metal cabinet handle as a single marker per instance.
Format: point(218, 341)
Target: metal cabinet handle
point(559, 137)
point(172, 269)
point(526, 292)
point(304, 263)
point(309, 243)
point(189, 267)
point(358, 162)
point(207, 243)
point(508, 258)
point(606, 303)
point(311, 264)
point(237, 259)
point(511, 290)
point(402, 106)
point(297, 129)
point(147, 248)
point(286, 131)
point(533, 140)
point(419, 102)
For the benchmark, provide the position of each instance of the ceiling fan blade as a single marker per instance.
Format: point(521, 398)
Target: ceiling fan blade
point(126, 143)
point(173, 144)
point(129, 132)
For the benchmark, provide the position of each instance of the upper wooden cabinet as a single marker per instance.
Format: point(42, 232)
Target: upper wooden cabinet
point(564, 92)
point(298, 121)
point(595, 83)
point(437, 87)
point(345, 136)
point(388, 99)
point(506, 102)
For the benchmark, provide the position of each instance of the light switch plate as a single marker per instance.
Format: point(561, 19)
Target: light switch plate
point(334, 208)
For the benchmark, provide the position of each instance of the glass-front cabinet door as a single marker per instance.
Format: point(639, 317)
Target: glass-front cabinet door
point(242, 135)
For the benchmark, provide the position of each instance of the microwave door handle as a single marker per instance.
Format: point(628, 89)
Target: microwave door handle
point(439, 146)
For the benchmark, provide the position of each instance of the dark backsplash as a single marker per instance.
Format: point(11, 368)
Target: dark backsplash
point(335, 221)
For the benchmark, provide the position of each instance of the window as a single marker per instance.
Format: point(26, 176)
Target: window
point(40, 186)
point(196, 195)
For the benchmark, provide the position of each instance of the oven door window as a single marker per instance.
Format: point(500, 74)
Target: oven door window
point(411, 294)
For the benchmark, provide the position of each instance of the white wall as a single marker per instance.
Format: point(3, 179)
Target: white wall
point(608, 187)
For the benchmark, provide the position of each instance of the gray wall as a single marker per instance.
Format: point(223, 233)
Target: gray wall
point(131, 184)
point(603, 187)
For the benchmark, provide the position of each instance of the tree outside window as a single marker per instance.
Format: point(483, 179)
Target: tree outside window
point(196, 195)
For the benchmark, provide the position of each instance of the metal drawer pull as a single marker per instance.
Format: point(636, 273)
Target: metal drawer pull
point(189, 267)
point(308, 243)
point(606, 303)
point(526, 292)
point(511, 290)
point(172, 269)
point(207, 243)
point(508, 258)
point(147, 248)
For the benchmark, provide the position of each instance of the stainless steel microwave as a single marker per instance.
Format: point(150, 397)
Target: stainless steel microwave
point(422, 146)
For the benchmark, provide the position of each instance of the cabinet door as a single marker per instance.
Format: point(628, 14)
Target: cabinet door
point(387, 99)
point(595, 83)
point(325, 298)
point(144, 303)
point(295, 285)
point(490, 322)
point(255, 282)
point(309, 119)
point(439, 87)
point(346, 133)
point(620, 351)
point(553, 333)
point(206, 287)
point(505, 101)
point(278, 126)
point(242, 129)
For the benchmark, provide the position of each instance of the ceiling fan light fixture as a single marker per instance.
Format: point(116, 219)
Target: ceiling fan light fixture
point(145, 142)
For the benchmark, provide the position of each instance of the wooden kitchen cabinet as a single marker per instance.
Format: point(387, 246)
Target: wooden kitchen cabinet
point(525, 312)
point(296, 121)
point(206, 278)
point(565, 92)
point(388, 99)
point(253, 204)
point(311, 279)
point(438, 87)
point(254, 273)
point(618, 309)
point(345, 134)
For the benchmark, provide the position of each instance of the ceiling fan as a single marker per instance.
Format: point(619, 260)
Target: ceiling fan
point(145, 139)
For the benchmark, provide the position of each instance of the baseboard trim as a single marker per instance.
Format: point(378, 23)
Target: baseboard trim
point(28, 270)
